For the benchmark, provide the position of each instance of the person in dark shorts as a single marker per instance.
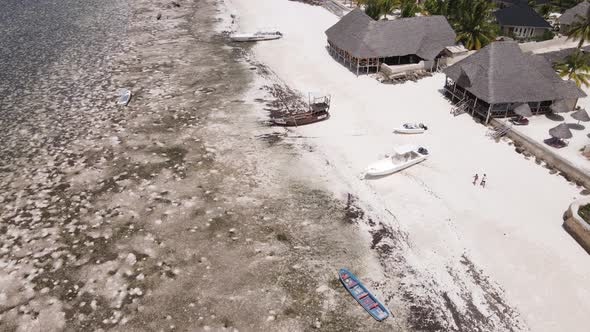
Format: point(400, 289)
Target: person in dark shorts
point(483, 181)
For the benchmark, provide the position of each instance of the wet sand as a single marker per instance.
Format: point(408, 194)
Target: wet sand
point(179, 212)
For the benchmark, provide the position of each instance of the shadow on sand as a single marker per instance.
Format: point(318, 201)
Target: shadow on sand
point(575, 126)
point(554, 117)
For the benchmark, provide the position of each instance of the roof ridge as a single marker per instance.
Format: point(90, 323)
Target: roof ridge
point(491, 90)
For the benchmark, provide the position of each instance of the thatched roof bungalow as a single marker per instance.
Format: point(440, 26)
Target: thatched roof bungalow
point(572, 15)
point(493, 81)
point(363, 43)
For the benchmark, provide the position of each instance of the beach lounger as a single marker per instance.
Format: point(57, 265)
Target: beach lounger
point(556, 142)
point(519, 121)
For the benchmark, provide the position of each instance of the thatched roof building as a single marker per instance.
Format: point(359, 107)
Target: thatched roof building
point(364, 42)
point(571, 15)
point(562, 54)
point(500, 76)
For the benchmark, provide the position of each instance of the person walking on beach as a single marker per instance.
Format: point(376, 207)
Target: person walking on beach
point(483, 181)
point(475, 179)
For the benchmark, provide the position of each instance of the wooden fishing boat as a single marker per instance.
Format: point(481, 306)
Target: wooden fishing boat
point(404, 157)
point(362, 295)
point(256, 36)
point(318, 111)
point(300, 119)
point(411, 128)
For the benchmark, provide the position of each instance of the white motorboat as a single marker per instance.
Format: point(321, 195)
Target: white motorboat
point(256, 36)
point(411, 128)
point(404, 157)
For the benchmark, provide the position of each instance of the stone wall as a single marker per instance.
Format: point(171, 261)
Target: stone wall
point(577, 227)
point(571, 172)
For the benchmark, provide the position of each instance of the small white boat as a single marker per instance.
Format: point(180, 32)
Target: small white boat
point(404, 157)
point(256, 36)
point(411, 128)
point(124, 97)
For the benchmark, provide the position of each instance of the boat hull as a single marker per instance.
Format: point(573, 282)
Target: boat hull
point(362, 295)
point(386, 166)
point(409, 131)
point(300, 120)
point(250, 38)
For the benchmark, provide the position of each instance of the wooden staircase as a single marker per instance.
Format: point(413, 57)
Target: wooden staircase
point(460, 108)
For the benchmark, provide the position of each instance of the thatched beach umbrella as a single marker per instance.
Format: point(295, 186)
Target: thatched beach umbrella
point(581, 115)
point(562, 131)
point(523, 110)
point(559, 106)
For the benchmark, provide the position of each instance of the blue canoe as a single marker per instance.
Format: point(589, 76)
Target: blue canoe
point(362, 295)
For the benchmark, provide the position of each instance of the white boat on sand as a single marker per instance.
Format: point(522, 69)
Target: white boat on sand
point(256, 36)
point(404, 157)
point(411, 128)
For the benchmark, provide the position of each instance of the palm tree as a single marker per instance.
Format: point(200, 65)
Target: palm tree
point(372, 8)
point(473, 23)
point(436, 7)
point(545, 10)
point(409, 8)
point(576, 67)
point(389, 5)
point(378, 8)
point(580, 29)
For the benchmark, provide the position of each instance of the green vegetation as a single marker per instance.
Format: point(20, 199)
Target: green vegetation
point(436, 7)
point(547, 35)
point(373, 8)
point(409, 8)
point(471, 20)
point(575, 67)
point(379, 8)
point(584, 212)
point(473, 23)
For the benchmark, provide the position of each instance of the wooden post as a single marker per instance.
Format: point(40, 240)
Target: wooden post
point(357, 66)
point(538, 108)
point(489, 113)
point(506, 114)
point(474, 105)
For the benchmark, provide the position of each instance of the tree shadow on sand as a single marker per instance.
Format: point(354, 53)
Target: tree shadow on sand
point(554, 117)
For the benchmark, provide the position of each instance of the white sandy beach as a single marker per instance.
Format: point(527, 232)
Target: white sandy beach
point(512, 229)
